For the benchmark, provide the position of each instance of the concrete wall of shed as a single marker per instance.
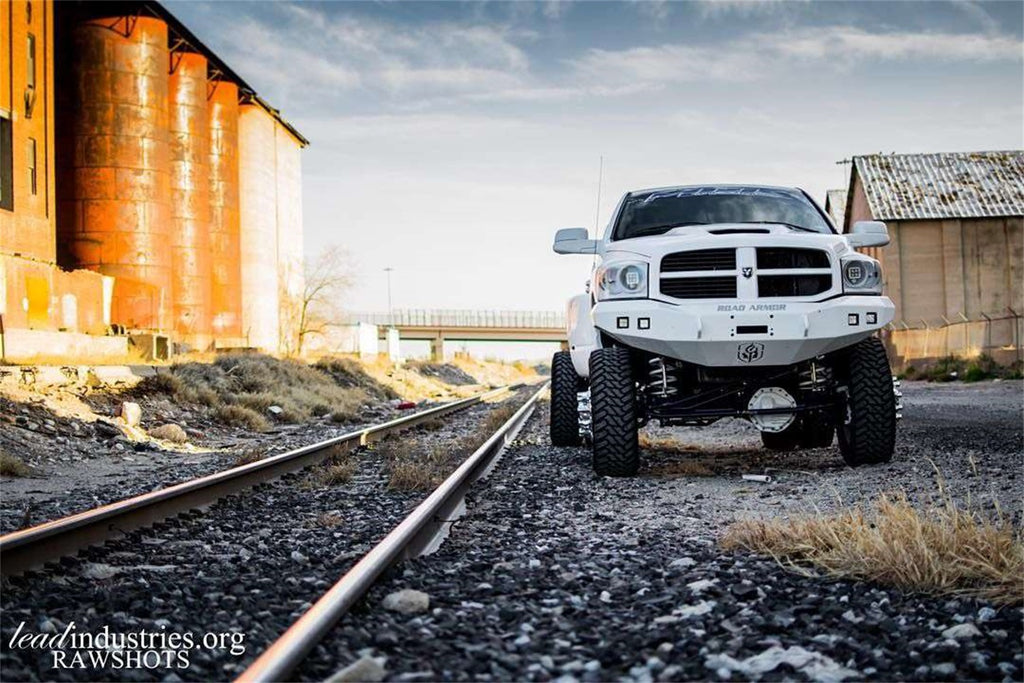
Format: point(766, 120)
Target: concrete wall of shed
point(40, 296)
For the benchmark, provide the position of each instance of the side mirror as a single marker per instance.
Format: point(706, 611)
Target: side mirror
point(868, 234)
point(574, 241)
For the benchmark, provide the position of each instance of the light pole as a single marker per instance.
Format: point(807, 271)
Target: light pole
point(391, 321)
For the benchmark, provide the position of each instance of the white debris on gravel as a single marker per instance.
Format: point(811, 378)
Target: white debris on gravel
point(967, 630)
point(407, 601)
point(99, 571)
point(365, 669)
point(816, 666)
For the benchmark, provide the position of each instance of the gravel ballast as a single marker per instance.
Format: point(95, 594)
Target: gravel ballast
point(555, 572)
point(249, 565)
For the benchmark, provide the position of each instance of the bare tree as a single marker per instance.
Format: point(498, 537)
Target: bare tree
point(327, 278)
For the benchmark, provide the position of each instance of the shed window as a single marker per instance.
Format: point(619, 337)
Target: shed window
point(6, 165)
point(30, 160)
point(30, 62)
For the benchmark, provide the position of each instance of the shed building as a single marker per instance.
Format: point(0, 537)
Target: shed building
point(955, 259)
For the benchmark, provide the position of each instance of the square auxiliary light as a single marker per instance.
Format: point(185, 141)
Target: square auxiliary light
point(853, 319)
point(871, 318)
point(643, 323)
point(622, 323)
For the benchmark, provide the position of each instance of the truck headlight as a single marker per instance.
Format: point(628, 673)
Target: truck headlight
point(621, 280)
point(862, 275)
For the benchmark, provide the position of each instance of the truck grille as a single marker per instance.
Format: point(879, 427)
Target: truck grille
point(785, 257)
point(703, 285)
point(704, 259)
point(769, 286)
point(700, 287)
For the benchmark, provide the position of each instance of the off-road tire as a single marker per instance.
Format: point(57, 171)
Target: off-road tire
point(565, 418)
point(816, 431)
point(613, 412)
point(867, 428)
point(786, 440)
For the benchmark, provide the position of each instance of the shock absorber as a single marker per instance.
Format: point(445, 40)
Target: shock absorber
point(660, 379)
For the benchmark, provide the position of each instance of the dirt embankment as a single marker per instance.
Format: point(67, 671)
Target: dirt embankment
point(191, 417)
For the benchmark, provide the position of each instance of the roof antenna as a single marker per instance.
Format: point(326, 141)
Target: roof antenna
point(597, 210)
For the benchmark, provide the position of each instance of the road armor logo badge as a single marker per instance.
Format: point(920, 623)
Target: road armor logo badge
point(749, 353)
point(748, 272)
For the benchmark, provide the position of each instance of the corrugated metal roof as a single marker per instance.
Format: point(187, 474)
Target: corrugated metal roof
point(835, 205)
point(944, 185)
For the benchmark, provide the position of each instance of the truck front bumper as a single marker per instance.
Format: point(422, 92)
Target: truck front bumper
point(743, 334)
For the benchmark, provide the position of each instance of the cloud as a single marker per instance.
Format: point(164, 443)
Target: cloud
point(759, 55)
point(854, 44)
point(299, 51)
point(667, 64)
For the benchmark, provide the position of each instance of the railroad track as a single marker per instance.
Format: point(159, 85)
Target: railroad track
point(30, 548)
point(420, 532)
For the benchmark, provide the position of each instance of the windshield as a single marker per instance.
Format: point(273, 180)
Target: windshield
point(654, 213)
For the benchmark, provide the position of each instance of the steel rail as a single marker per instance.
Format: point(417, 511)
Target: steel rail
point(419, 533)
point(29, 548)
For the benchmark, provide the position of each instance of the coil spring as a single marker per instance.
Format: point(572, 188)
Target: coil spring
point(815, 377)
point(660, 379)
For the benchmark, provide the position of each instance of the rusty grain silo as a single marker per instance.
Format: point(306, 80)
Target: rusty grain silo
point(225, 257)
point(257, 178)
point(289, 233)
point(119, 204)
point(190, 199)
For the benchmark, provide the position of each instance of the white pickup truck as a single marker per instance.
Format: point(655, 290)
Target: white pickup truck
point(717, 301)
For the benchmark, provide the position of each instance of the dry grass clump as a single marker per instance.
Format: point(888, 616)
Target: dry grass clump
point(240, 416)
point(240, 388)
point(682, 468)
point(338, 468)
point(496, 418)
point(938, 550)
point(665, 444)
point(433, 424)
point(326, 520)
point(249, 455)
point(411, 469)
point(11, 466)
point(349, 374)
point(169, 432)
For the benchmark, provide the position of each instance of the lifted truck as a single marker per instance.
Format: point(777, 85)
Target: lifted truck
point(720, 301)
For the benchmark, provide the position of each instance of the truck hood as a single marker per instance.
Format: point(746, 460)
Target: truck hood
point(725, 235)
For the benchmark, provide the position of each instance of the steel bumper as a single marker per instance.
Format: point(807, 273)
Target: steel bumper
point(743, 334)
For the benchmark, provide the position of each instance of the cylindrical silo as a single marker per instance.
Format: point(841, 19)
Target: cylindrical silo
point(226, 270)
point(190, 199)
point(120, 200)
point(257, 171)
point(289, 234)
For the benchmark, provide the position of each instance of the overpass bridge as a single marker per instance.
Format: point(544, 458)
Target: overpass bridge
point(440, 325)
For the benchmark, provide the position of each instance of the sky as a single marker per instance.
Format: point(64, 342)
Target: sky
point(450, 140)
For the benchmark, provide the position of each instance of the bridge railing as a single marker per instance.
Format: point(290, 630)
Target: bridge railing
point(461, 318)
